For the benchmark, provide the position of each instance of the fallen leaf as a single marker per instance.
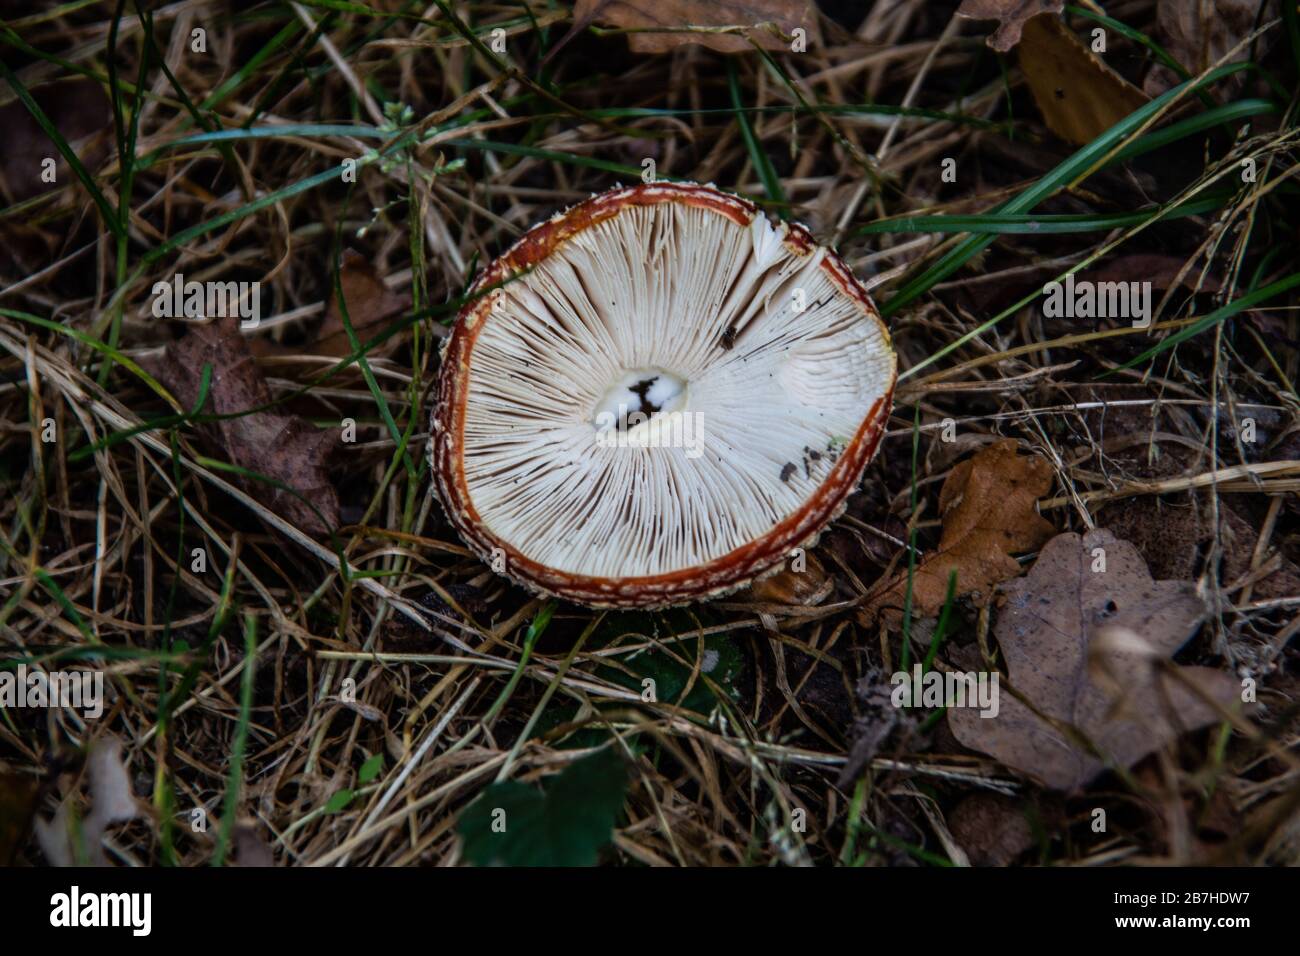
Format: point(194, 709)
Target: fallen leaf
point(1160, 269)
point(1107, 689)
point(1175, 540)
point(786, 15)
point(988, 507)
point(1079, 96)
point(111, 802)
point(371, 304)
point(282, 447)
point(1198, 33)
point(515, 824)
point(1013, 14)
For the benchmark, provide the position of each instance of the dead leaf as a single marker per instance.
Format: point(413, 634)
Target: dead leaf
point(1048, 632)
point(988, 506)
point(282, 447)
point(112, 801)
point(1161, 270)
point(1079, 96)
point(1197, 33)
point(1013, 15)
point(371, 304)
point(786, 15)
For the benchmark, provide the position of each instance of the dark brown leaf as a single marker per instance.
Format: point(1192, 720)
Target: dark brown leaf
point(1107, 690)
point(18, 793)
point(282, 447)
point(991, 828)
point(1198, 33)
point(371, 306)
point(79, 110)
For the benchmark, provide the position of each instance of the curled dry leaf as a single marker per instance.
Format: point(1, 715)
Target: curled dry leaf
point(1083, 646)
point(282, 447)
point(661, 15)
point(989, 508)
point(1012, 14)
point(371, 306)
point(1079, 96)
point(111, 802)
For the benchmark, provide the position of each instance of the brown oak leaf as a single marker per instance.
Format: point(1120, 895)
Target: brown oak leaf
point(371, 307)
point(1079, 96)
point(988, 507)
point(282, 447)
point(1082, 634)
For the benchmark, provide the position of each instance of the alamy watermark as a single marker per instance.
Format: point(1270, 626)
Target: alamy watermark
point(178, 299)
point(1098, 300)
point(83, 690)
point(676, 429)
point(933, 688)
point(133, 911)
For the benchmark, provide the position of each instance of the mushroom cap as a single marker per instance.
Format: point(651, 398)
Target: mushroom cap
point(654, 397)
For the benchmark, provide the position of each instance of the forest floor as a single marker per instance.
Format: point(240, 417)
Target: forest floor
point(303, 664)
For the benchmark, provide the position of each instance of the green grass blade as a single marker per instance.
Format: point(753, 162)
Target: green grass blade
point(106, 210)
point(1221, 314)
point(235, 780)
point(996, 224)
point(1076, 167)
point(762, 164)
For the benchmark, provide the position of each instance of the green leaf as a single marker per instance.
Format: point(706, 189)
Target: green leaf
point(514, 824)
point(370, 769)
point(339, 800)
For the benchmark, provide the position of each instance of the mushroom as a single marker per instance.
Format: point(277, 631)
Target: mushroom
point(655, 397)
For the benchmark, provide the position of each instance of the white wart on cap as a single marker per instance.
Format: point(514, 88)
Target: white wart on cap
point(655, 397)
